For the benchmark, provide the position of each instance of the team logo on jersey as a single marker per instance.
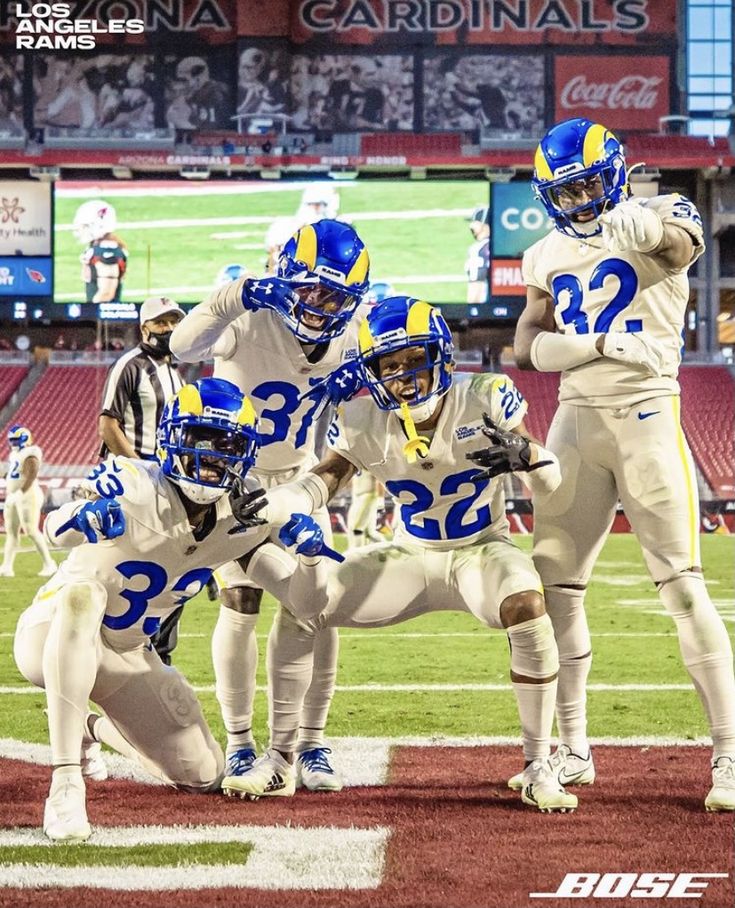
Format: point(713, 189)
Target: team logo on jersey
point(350, 353)
point(467, 433)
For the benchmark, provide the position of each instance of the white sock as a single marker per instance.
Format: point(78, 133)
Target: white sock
point(707, 654)
point(235, 660)
point(566, 609)
point(536, 711)
point(290, 662)
point(318, 697)
point(70, 662)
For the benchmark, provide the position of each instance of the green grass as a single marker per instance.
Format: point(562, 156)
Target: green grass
point(387, 656)
point(191, 256)
point(180, 855)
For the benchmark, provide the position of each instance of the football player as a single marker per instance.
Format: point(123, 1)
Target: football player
point(607, 293)
point(158, 529)
point(279, 336)
point(105, 259)
point(23, 501)
point(424, 435)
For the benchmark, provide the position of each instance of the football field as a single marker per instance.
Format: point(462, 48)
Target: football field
point(425, 731)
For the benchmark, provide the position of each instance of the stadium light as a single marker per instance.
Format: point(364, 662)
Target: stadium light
point(499, 174)
point(45, 174)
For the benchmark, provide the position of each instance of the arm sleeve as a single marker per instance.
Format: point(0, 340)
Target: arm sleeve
point(561, 352)
point(119, 389)
point(204, 333)
point(299, 584)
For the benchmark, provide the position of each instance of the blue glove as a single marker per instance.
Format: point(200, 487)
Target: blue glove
point(306, 534)
point(103, 518)
point(273, 293)
point(339, 386)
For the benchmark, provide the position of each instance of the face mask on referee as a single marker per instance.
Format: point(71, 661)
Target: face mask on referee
point(157, 335)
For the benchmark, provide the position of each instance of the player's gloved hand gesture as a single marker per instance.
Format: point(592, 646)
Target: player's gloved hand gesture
point(631, 227)
point(509, 453)
point(274, 293)
point(305, 533)
point(340, 385)
point(636, 349)
point(101, 519)
point(246, 506)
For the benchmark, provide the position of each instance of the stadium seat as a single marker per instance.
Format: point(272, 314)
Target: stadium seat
point(540, 390)
point(708, 417)
point(62, 411)
point(403, 143)
point(10, 379)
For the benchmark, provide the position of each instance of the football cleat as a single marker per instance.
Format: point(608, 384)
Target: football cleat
point(238, 763)
point(722, 793)
point(570, 769)
point(93, 764)
point(270, 776)
point(541, 789)
point(65, 813)
point(315, 771)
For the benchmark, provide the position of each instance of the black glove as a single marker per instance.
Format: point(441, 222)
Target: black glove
point(510, 453)
point(245, 505)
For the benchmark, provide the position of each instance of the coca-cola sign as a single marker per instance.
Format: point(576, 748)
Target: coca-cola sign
point(623, 92)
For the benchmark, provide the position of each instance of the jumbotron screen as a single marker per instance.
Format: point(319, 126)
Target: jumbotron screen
point(180, 234)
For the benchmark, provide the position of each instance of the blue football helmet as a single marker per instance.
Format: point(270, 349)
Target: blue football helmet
point(377, 292)
point(207, 429)
point(230, 273)
point(19, 437)
point(395, 324)
point(578, 159)
point(331, 257)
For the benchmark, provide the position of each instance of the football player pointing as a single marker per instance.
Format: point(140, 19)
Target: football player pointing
point(607, 293)
point(423, 434)
point(160, 529)
point(278, 336)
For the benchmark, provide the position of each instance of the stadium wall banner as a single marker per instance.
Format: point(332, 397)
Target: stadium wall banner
point(550, 22)
point(25, 218)
point(506, 278)
point(518, 219)
point(628, 92)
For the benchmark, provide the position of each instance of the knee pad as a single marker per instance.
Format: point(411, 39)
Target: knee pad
point(533, 651)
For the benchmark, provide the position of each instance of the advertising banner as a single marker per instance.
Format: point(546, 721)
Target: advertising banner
point(623, 92)
point(518, 219)
point(25, 217)
point(506, 279)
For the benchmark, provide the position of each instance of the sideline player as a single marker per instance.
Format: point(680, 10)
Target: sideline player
point(423, 435)
point(23, 501)
point(607, 293)
point(296, 329)
point(105, 259)
point(160, 528)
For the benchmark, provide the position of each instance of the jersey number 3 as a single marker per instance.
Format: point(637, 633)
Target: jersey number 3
point(569, 287)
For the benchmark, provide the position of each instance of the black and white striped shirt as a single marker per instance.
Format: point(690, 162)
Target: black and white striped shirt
point(136, 389)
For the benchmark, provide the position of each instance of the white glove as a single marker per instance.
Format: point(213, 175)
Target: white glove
point(636, 349)
point(631, 227)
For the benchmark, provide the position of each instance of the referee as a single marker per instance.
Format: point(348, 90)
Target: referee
point(137, 387)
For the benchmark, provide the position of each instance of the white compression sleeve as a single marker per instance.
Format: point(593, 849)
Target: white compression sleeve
point(197, 335)
point(545, 479)
point(69, 538)
point(552, 352)
point(302, 496)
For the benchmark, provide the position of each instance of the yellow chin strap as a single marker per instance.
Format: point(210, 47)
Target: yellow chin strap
point(417, 445)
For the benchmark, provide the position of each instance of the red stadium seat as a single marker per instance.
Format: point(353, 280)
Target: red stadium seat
point(61, 411)
point(10, 379)
point(708, 417)
point(541, 390)
point(403, 143)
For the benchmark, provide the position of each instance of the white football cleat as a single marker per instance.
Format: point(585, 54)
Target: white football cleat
point(315, 772)
point(93, 764)
point(541, 789)
point(570, 769)
point(48, 571)
point(270, 777)
point(65, 813)
point(722, 793)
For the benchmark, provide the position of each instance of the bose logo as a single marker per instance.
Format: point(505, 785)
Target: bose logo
point(527, 219)
point(635, 885)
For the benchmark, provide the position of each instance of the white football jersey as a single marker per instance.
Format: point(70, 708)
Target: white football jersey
point(257, 352)
point(437, 503)
point(599, 291)
point(157, 564)
point(14, 477)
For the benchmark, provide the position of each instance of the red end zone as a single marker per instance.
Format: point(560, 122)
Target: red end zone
point(459, 837)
